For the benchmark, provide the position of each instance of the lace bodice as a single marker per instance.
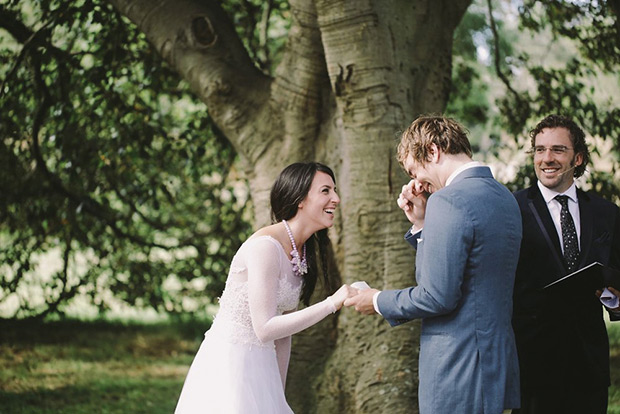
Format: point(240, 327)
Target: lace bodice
point(260, 288)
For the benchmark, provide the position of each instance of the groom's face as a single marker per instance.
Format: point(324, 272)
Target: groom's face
point(424, 174)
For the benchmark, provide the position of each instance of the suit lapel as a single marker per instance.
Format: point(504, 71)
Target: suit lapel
point(586, 218)
point(539, 209)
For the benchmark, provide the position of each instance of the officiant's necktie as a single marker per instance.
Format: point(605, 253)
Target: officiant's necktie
point(569, 235)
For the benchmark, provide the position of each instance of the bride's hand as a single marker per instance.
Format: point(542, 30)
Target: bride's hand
point(342, 294)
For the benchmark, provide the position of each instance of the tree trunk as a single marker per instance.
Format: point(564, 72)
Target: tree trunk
point(353, 75)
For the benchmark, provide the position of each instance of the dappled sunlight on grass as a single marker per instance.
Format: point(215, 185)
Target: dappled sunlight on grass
point(94, 367)
point(80, 367)
point(62, 373)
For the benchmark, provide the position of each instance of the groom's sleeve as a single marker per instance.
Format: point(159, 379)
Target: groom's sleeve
point(374, 302)
point(440, 264)
point(412, 238)
point(404, 305)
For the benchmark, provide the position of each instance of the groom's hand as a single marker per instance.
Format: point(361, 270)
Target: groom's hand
point(363, 301)
point(412, 200)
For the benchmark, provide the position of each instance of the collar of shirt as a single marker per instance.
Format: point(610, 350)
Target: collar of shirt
point(452, 176)
point(549, 194)
point(462, 168)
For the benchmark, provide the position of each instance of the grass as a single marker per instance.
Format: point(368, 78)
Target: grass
point(76, 367)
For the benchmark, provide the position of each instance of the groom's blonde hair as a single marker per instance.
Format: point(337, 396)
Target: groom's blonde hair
point(447, 134)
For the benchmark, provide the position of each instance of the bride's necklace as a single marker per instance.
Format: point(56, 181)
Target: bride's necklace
point(300, 266)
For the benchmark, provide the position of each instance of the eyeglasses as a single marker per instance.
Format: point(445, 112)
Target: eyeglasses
point(555, 149)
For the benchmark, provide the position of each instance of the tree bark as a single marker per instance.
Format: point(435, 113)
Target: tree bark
point(354, 74)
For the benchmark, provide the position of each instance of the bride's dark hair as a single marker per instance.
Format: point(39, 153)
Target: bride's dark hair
point(291, 188)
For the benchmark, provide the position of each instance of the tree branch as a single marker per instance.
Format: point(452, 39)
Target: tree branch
point(29, 39)
point(10, 23)
point(12, 285)
point(65, 294)
point(522, 110)
point(90, 205)
point(263, 31)
point(497, 56)
point(302, 91)
point(199, 41)
point(23, 35)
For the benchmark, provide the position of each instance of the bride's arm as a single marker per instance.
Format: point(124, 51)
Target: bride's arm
point(263, 277)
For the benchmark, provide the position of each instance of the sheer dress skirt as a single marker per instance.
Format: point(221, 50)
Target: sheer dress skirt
point(232, 378)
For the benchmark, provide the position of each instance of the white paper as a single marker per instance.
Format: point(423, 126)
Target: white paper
point(360, 285)
point(609, 299)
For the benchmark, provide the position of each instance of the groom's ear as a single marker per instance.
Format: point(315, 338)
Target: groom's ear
point(433, 153)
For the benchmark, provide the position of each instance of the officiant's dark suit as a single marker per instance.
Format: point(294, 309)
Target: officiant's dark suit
point(560, 334)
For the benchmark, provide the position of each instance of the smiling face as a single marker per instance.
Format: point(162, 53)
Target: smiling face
point(554, 168)
point(320, 204)
point(425, 174)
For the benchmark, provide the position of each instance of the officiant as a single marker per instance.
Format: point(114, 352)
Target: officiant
point(562, 339)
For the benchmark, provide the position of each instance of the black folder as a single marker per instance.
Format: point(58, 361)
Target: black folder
point(596, 275)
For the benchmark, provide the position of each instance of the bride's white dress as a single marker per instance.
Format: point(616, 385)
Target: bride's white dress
point(242, 363)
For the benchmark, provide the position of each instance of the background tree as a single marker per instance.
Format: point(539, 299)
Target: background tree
point(110, 159)
point(575, 73)
point(109, 162)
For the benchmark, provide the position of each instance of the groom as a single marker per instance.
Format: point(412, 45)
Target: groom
point(467, 254)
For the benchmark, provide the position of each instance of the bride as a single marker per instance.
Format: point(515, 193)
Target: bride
point(242, 363)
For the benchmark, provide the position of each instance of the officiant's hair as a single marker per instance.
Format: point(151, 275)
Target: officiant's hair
point(291, 188)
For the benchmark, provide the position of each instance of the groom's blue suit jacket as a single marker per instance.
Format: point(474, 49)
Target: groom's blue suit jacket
point(466, 259)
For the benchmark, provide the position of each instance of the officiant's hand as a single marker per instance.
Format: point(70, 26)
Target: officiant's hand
point(615, 292)
point(363, 301)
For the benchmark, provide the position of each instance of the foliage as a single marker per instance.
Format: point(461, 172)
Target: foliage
point(262, 26)
point(558, 60)
point(115, 169)
point(469, 101)
point(110, 164)
point(593, 23)
point(566, 85)
point(470, 98)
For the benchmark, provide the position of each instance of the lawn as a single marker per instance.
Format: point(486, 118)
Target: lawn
point(75, 367)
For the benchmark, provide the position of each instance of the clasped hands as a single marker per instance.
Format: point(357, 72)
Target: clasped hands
point(356, 295)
